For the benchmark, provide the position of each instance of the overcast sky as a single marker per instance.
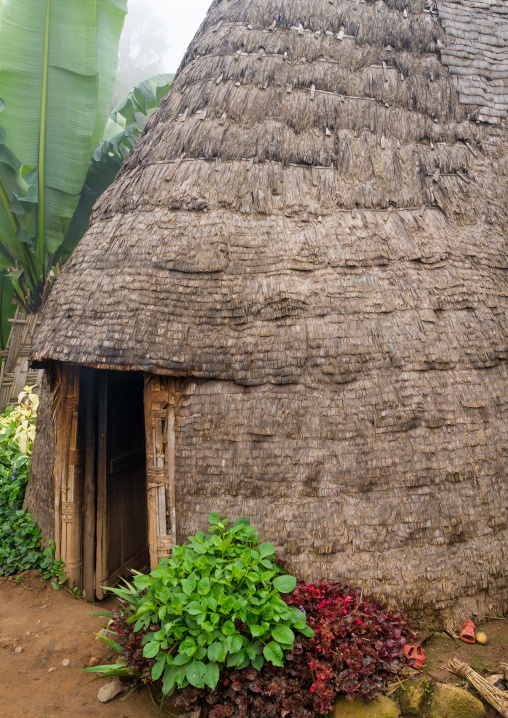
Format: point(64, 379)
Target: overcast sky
point(181, 19)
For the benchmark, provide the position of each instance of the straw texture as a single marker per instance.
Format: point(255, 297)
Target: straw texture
point(493, 695)
point(313, 229)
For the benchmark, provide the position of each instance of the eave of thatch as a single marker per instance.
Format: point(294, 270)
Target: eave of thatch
point(312, 200)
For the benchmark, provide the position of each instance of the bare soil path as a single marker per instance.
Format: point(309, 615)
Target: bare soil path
point(51, 626)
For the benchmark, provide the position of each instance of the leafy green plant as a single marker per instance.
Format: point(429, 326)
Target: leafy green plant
point(58, 149)
point(123, 131)
point(57, 70)
point(215, 603)
point(18, 423)
point(53, 569)
point(20, 537)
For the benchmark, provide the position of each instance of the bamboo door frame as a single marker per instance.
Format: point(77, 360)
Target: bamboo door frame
point(161, 397)
point(68, 474)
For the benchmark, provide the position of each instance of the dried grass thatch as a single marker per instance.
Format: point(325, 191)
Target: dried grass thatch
point(313, 230)
point(498, 699)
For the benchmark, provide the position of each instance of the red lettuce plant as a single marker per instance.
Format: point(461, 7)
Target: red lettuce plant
point(129, 644)
point(357, 644)
point(356, 649)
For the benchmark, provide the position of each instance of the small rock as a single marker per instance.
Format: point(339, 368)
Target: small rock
point(102, 632)
point(50, 670)
point(66, 663)
point(109, 690)
point(411, 696)
point(94, 661)
point(494, 678)
point(497, 680)
point(18, 650)
point(453, 702)
point(381, 707)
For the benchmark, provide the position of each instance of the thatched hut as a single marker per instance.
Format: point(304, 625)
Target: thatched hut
point(297, 291)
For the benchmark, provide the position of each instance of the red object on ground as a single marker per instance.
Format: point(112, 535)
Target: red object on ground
point(414, 653)
point(468, 633)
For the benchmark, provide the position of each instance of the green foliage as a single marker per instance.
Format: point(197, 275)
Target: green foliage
point(20, 537)
point(214, 604)
point(123, 131)
point(17, 423)
point(57, 70)
point(7, 308)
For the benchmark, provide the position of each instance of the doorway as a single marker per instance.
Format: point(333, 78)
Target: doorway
point(115, 533)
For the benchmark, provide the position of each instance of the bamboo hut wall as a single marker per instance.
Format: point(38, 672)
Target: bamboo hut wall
point(15, 372)
point(160, 401)
point(68, 476)
point(315, 222)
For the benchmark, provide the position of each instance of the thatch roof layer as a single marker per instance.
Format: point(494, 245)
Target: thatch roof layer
point(294, 176)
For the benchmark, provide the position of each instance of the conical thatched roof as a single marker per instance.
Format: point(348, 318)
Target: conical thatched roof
point(321, 201)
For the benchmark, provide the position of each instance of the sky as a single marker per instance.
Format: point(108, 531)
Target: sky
point(181, 19)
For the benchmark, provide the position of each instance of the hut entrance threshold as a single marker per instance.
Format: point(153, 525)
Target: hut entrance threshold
point(115, 535)
point(115, 504)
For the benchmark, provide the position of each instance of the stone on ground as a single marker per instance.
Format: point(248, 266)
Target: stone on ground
point(453, 702)
point(381, 707)
point(411, 696)
point(109, 690)
point(18, 650)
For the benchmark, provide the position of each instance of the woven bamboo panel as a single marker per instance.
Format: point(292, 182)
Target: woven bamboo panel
point(15, 372)
point(160, 393)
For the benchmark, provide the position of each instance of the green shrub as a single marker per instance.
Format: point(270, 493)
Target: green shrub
point(20, 537)
point(215, 604)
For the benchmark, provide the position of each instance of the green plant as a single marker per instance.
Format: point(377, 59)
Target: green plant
point(20, 537)
point(57, 70)
point(355, 650)
point(123, 131)
point(18, 424)
point(215, 604)
point(52, 569)
point(58, 149)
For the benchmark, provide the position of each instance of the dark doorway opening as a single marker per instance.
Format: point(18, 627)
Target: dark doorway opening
point(115, 534)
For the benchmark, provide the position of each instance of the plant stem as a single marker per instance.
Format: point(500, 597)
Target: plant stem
point(5, 201)
point(25, 253)
point(42, 144)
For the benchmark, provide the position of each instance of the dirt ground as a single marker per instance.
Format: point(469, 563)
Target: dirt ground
point(51, 626)
point(485, 660)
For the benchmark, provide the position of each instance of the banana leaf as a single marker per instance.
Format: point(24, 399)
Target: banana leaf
point(123, 130)
point(57, 68)
point(7, 308)
point(142, 99)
